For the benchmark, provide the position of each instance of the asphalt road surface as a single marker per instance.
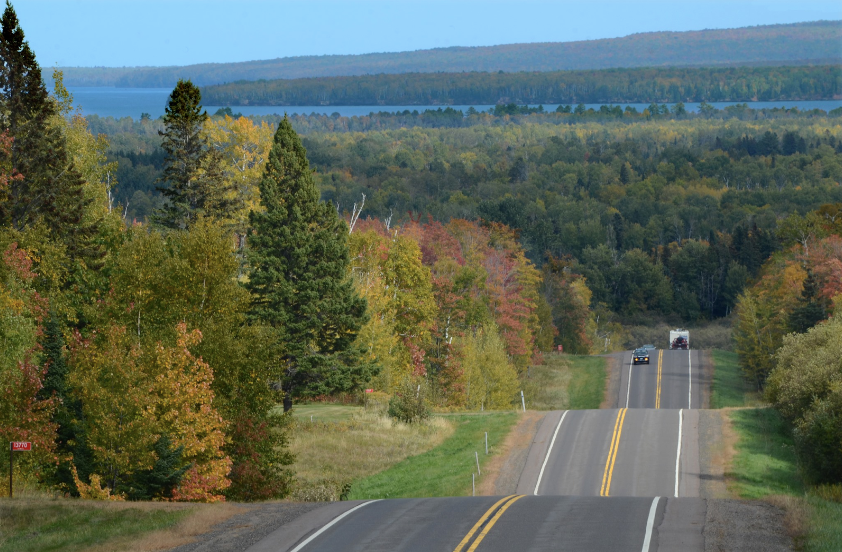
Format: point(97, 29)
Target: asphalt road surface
point(595, 480)
point(675, 385)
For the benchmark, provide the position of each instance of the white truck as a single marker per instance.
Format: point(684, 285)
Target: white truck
point(679, 339)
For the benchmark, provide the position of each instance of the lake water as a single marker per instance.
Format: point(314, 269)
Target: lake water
point(131, 102)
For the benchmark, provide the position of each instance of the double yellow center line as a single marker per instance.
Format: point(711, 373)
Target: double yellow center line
point(505, 502)
point(658, 388)
point(612, 452)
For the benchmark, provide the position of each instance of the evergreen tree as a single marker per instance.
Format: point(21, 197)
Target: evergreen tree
point(298, 252)
point(625, 176)
point(51, 189)
point(811, 308)
point(164, 476)
point(195, 184)
point(71, 441)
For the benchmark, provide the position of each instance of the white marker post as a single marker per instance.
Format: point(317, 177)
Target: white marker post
point(477, 455)
point(522, 401)
point(486, 442)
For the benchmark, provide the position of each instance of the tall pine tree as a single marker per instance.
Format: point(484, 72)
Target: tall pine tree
point(811, 308)
point(193, 176)
point(298, 252)
point(51, 189)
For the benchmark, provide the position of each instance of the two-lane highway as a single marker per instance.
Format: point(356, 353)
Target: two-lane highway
point(624, 479)
point(670, 380)
point(506, 524)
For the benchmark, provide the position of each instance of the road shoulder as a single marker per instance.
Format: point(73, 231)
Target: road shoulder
point(501, 474)
point(613, 372)
point(249, 528)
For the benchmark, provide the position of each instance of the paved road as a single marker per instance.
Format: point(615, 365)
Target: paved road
point(624, 452)
point(677, 386)
point(534, 523)
point(591, 483)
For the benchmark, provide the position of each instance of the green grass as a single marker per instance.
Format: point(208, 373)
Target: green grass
point(765, 465)
point(765, 462)
point(322, 412)
point(445, 470)
point(824, 533)
point(729, 388)
point(69, 525)
point(587, 388)
point(566, 382)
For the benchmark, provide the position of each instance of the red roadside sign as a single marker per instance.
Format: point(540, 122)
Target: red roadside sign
point(20, 446)
point(369, 390)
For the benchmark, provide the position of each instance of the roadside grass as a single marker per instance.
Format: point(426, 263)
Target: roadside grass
point(824, 533)
point(446, 469)
point(765, 465)
point(44, 525)
point(729, 388)
point(325, 412)
point(329, 456)
point(574, 382)
point(765, 462)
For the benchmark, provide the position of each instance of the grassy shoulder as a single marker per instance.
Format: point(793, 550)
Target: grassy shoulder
point(330, 456)
point(446, 469)
point(563, 382)
point(729, 388)
point(67, 525)
point(765, 465)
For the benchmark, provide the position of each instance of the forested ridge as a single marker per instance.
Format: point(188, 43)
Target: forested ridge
point(560, 87)
point(793, 44)
point(603, 194)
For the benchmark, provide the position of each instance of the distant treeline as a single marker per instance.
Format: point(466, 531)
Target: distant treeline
point(737, 84)
point(815, 42)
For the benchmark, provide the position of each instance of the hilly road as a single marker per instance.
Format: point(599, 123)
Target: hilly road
point(624, 479)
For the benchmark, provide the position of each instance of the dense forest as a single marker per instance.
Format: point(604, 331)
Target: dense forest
point(561, 87)
point(794, 44)
point(662, 216)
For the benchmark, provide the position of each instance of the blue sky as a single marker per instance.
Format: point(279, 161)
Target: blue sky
point(180, 32)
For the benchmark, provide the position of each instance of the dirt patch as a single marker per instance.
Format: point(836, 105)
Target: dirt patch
point(745, 526)
point(243, 530)
point(716, 449)
point(613, 369)
point(501, 474)
point(706, 376)
point(202, 519)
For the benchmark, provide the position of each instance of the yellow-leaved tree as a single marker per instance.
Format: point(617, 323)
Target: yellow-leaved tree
point(245, 148)
point(183, 409)
point(491, 379)
point(131, 397)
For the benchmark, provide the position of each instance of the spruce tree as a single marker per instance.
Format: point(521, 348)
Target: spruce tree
point(193, 176)
point(51, 189)
point(811, 308)
point(164, 476)
point(298, 252)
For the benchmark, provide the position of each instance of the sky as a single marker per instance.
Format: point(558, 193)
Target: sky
point(118, 33)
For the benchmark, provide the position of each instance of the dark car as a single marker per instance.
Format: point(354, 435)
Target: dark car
point(640, 356)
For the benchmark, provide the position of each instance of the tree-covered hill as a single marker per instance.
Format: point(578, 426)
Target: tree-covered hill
point(610, 85)
point(793, 44)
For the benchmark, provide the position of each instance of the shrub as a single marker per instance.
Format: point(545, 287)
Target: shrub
point(409, 403)
point(806, 386)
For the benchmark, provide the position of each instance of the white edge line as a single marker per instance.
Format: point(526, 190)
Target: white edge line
point(628, 392)
point(549, 450)
point(678, 451)
point(649, 523)
point(690, 377)
point(329, 525)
